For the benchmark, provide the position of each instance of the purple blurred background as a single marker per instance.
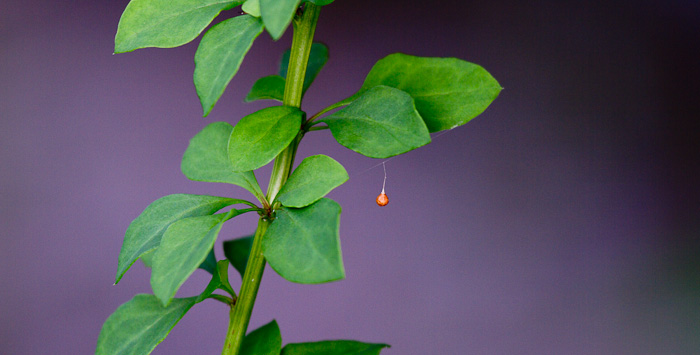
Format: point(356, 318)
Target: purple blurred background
point(564, 220)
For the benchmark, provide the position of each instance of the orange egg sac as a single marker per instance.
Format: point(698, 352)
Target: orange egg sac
point(382, 199)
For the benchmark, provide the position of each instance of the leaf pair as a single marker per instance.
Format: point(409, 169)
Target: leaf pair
point(267, 340)
point(404, 98)
point(171, 23)
point(177, 232)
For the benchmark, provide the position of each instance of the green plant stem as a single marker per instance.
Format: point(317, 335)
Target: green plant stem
point(304, 29)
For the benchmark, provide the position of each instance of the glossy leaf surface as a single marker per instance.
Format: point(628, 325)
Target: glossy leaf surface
point(333, 347)
point(448, 92)
point(220, 54)
point(183, 248)
point(259, 137)
point(303, 245)
point(317, 59)
point(315, 177)
point(206, 159)
point(137, 326)
point(265, 340)
point(165, 23)
point(237, 252)
point(145, 232)
point(380, 123)
point(277, 15)
point(267, 88)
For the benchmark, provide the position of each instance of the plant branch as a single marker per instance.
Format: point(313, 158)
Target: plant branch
point(304, 30)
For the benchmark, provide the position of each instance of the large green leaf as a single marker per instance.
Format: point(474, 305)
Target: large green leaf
point(259, 137)
point(380, 123)
point(265, 340)
point(136, 327)
point(303, 245)
point(317, 59)
point(183, 248)
point(277, 14)
point(448, 92)
point(206, 159)
point(237, 252)
point(165, 23)
point(333, 347)
point(220, 54)
point(315, 177)
point(267, 88)
point(144, 232)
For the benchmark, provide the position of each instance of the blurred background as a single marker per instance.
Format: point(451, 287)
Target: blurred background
point(564, 220)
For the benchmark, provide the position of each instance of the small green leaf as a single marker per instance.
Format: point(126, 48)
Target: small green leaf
point(237, 252)
point(215, 283)
point(317, 59)
point(251, 7)
point(267, 88)
point(320, 2)
point(222, 272)
point(277, 14)
point(303, 245)
point(448, 92)
point(185, 245)
point(220, 54)
point(265, 340)
point(206, 159)
point(259, 137)
point(145, 232)
point(165, 23)
point(315, 177)
point(380, 123)
point(334, 347)
point(209, 263)
point(272, 87)
point(137, 326)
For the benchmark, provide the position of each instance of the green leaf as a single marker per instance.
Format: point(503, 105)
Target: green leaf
point(206, 159)
point(222, 273)
point(184, 246)
point(251, 7)
point(265, 340)
point(380, 123)
point(220, 54)
point(137, 326)
point(217, 282)
point(277, 14)
point(448, 92)
point(303, 245)
point(320, 2)
point(145, 232)
point(333, 347)
point(165, 23)
point(237, 252)
point(317, 59)
point(267, 88)
point(315, 177)
point(209, 263)
point(259, 137)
